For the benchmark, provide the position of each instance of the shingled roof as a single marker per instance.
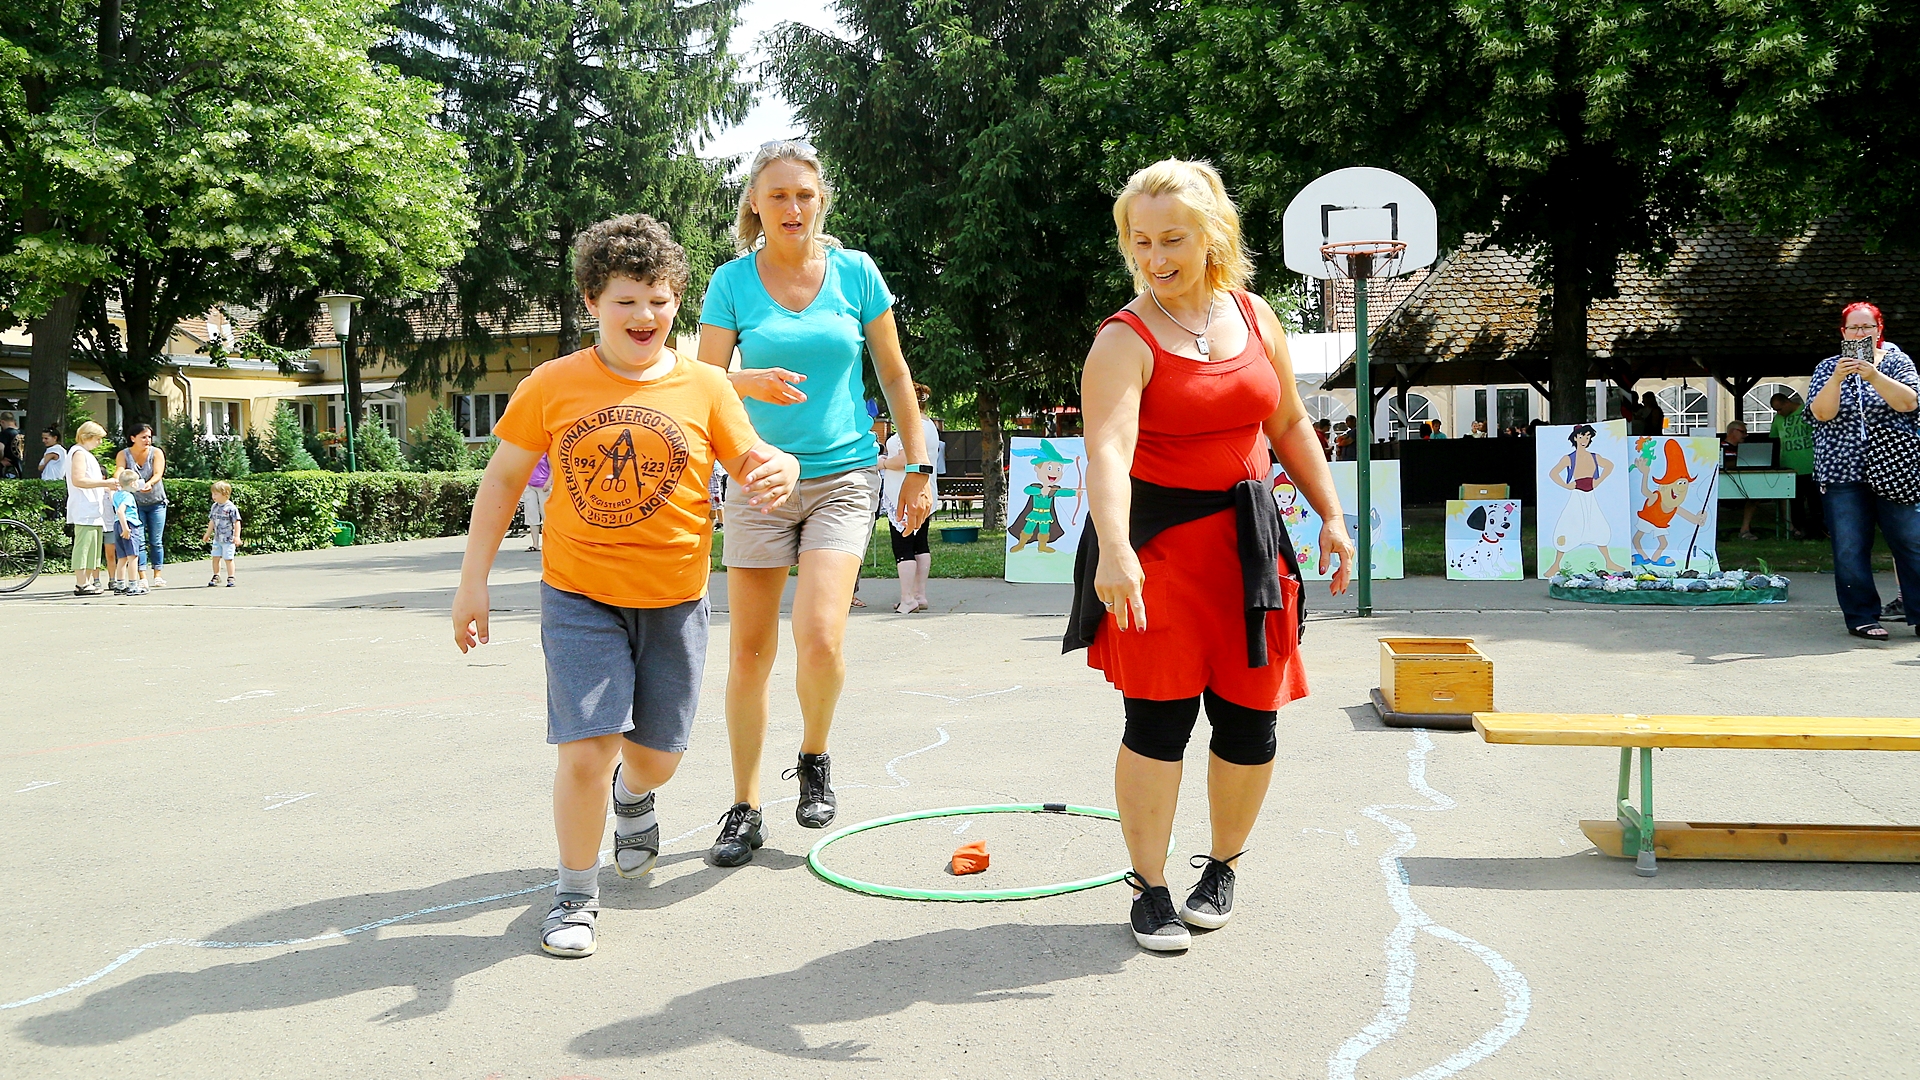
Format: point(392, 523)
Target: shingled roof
point(1732, 304)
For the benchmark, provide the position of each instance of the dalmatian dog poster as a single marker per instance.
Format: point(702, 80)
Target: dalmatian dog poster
point(1483, 540)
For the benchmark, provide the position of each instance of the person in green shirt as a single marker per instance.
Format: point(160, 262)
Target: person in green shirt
point(1794, 433)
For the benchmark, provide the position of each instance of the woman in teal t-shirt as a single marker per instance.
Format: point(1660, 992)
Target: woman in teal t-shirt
point(801, 310)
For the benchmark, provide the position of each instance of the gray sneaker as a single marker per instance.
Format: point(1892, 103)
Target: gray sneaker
point(568, 930)
point(1210, 904)
point(741, 830)
point(634, 853)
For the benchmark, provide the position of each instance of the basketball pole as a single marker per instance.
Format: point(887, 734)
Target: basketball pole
point(1360, 267)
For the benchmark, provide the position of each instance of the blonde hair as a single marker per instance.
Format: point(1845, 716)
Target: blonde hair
point(221, 487)
point(747, 231)
point(127, 478)
point(89, 430)
point(1196, 186)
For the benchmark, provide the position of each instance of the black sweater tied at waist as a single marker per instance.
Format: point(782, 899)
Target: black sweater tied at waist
point(1263, 545)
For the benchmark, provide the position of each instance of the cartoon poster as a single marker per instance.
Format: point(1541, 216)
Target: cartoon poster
point(1046, 508)
point(1675, 512)
point(1583, 493)
point(1303, 525)
point(1483, 540)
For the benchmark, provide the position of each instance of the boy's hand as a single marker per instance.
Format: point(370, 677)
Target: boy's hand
point(771, 475)
point(470, 616)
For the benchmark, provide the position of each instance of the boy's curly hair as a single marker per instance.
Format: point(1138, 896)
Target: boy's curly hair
point(633, 246)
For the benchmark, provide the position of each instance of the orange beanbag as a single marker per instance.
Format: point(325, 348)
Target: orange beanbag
point(970, 858)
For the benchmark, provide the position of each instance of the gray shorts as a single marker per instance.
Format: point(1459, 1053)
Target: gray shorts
point(615, 670)
point(833, 512)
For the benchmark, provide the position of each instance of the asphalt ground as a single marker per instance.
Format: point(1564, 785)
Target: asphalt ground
point(285, 829)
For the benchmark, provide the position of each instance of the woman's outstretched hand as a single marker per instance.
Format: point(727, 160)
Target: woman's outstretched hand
point(1334, 541)
point(776, 386)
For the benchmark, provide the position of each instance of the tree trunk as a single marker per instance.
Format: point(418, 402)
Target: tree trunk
point(993, 493)
point(1568, 379)
point(52, 356)
point(568, 339)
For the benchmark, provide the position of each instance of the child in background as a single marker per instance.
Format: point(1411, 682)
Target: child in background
point(129, 539)
point(223, 530)
point(632, 431)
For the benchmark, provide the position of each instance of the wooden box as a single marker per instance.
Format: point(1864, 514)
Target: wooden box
point(1482, 492)
point(1424, 675)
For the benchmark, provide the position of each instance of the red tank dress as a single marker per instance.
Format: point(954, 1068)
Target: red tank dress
point(1200, 429)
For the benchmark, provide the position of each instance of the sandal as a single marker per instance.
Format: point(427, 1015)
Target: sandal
point(1872, 632)
point(560, 934)
point(904, 608)
point(857, 602)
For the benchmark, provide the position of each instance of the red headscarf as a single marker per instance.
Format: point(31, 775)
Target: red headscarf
point(1880, 335)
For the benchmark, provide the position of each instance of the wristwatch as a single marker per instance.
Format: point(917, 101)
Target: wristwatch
point(928, 469)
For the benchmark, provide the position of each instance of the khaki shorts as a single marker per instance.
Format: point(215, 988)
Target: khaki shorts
point(87, 547)
point(832, 512)
point(533, 504)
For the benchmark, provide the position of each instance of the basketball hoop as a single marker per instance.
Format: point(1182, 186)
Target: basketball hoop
point(1363, 258)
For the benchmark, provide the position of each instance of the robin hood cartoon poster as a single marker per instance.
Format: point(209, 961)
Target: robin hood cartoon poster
point(1583, 495)
point(1384, 518)
point(1675, 504)
point(1046, 508)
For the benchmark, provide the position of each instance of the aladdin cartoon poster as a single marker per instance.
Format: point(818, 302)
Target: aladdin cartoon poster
point(1483, 540)
point(1584, 491)
point(1046, 509)
point(1303, 525)
point(1675, 507)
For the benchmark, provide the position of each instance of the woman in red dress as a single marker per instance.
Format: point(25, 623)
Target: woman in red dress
point(1189, 591)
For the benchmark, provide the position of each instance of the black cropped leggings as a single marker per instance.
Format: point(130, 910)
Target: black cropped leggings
point(1160, 729)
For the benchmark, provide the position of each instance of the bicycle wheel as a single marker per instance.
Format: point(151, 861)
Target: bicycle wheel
point(21, 555)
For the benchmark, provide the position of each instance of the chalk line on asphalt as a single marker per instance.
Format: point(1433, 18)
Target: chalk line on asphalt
point(130, 954)
point(1401, 962)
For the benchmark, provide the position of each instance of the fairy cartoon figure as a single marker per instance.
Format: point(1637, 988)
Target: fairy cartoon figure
point(1294, 515)
point(1665, 498)
point(1037, 523)
point(1582, 523)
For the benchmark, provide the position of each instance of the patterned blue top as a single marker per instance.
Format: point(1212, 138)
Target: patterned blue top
point(1840, 444)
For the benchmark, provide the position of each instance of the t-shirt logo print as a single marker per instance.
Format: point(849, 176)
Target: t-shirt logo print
point(621, 464)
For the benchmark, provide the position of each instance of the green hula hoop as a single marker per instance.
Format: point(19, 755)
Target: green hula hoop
point(898, 892)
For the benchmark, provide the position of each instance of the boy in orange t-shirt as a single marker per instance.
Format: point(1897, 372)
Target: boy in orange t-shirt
point(632, 431)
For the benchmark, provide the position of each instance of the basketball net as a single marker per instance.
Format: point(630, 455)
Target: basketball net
point(1363, 258)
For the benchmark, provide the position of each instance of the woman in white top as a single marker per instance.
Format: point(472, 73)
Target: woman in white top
point(53, 463)
point(87, 502)
point(910, 549)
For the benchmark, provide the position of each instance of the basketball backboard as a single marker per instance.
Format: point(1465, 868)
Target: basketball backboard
point(1359, 207)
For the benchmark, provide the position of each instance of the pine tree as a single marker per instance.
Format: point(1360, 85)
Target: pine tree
point(288, 441)
point(437, 443)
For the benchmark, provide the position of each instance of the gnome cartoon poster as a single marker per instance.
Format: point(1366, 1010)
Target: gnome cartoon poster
point(1044, 533)
point(1675, 513)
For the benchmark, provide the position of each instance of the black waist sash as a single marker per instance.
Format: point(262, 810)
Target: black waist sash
point(1263, 544)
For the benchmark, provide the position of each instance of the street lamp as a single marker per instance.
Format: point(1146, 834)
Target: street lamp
point(340, 310)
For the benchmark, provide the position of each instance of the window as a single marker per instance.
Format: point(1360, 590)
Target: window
point(221, 419)
point(1757, 409)
point(308, 420)
point(1685, 414)
point(388, 415)
point(1419, 410)
point(474, 414)
point(1515, 409)
point(1326, 407)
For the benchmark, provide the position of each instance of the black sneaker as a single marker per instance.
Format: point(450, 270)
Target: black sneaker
point(1210, 904)
point(1895, 609)
point(633, 853)
point(1155, 926)
point(740, 833)
point(817, 802)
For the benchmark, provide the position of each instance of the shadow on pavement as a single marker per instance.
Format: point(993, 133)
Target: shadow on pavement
point(947, 967)
point(1593, 872)
point(429, 964)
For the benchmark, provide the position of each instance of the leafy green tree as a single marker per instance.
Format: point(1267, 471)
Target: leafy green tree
point(437, 443)
point(288, 441)
point(376, 449)
point(959, 174)
point(163, 155)
point(572, 111)
point(76, 413)
point(229, 459)
point(185, 444)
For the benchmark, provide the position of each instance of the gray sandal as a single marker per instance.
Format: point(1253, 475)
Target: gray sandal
point(646, 841)
point(571, 913)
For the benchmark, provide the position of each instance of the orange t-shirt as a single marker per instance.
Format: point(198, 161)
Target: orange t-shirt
point(630, 523)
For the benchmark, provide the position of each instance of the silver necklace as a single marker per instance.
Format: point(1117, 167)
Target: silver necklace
point(1199, 336)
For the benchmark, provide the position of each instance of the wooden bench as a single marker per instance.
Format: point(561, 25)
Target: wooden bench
point(1635, 834)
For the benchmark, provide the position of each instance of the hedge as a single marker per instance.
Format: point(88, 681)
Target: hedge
point(279, 511)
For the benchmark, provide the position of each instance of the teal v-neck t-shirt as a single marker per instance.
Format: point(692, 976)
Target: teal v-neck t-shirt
point(830, 431)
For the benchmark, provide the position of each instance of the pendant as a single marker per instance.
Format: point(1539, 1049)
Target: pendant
point(1201, 344)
